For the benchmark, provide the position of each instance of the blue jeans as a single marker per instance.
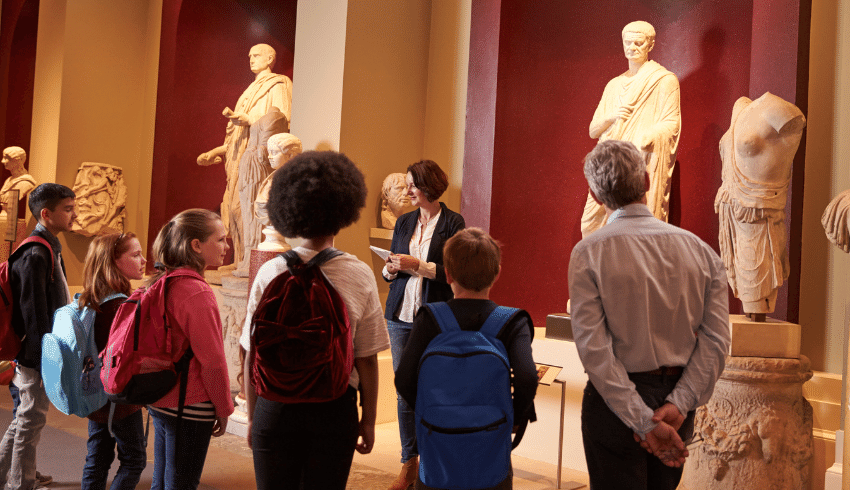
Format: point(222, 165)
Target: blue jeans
point(173, 470)
point(130, 440)
point(16, 398)
point(399, 333)
point(304, 445)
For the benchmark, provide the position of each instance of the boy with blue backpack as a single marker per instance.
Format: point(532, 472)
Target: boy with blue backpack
point(457, 370)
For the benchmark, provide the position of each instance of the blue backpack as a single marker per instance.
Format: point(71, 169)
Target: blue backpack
point(464, 407)
point(70, 365)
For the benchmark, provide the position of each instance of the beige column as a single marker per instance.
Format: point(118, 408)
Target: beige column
point(94, 100)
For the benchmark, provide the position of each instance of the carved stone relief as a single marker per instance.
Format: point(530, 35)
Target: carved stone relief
point(101, 199)
point(756, 431)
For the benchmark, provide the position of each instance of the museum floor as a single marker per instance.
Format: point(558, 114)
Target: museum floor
point(61, 454)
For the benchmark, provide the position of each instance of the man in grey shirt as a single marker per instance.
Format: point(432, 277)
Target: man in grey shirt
point(650, 317)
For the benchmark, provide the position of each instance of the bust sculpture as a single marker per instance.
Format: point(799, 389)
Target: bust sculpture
point(640, 106)
point(836, 221)
point(757, 153)
point(282, 147)
point(394, 200)
point(268, 90)
point(14, 158)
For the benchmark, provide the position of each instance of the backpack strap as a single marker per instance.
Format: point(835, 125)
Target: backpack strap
point(293, 260)
point(445, 318)
point(38, 239)
point(492, 326)
point(112, 296)
point(497, 320)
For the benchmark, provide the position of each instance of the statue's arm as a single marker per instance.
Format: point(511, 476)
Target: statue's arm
point(216, 155)
point(605, 114)
point(237, 118)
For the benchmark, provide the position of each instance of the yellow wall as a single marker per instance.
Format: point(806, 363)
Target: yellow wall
point(385, 83)
point(95, 101)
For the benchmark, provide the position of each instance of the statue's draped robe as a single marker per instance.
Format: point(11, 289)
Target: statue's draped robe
point(253, 170)
point(653, 94)
point(267, 91)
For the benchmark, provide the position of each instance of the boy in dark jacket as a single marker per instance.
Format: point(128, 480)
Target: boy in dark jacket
point(38, 290)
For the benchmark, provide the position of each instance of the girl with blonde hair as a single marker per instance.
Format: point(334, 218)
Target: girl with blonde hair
point(189, 243)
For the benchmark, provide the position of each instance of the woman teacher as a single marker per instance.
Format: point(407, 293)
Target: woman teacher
point(416, 275)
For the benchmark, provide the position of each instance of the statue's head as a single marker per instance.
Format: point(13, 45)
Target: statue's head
point(394, 195)
point(261, 56)
point(638, 40)
point(282, 147)
point(14, 156)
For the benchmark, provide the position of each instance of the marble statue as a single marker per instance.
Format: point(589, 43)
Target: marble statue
point(640, 106)
point(14, 158)
point(757, 153)
point(101, 199)
point(282, 147)
point(394, 200)
point(836, 221)
point(253, 170)
point(268, 90)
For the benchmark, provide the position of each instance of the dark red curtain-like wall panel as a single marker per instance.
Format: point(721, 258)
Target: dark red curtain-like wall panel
point(203, 69)
point(18, 35)
point(554, 61)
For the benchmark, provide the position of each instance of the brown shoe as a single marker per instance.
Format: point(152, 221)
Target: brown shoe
point(407, 476)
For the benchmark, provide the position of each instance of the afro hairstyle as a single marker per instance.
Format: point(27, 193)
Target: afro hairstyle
point(316, 194)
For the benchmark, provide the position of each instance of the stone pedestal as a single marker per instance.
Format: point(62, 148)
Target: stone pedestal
point(756, 431)
point(233, 305)
point(232, 298)
point(771, 338)
point(7, 248)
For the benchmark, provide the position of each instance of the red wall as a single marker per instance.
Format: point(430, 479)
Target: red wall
point(553, 63)
point(18, 34)
point(203, 69)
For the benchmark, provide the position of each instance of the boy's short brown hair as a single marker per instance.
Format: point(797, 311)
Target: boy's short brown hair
point(472, 259)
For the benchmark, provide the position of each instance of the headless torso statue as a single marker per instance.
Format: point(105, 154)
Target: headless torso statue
point(640, 106)
point(757, 153)
point(269, 90)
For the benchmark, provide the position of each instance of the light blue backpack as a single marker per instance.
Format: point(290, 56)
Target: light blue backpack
point(70, 366)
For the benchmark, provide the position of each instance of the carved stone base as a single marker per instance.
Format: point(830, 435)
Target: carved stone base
point(756, 430)
point(233, 303)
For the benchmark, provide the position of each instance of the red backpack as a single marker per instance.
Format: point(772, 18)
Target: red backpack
point(140, 364)
point(10, 341)
point(301, 337)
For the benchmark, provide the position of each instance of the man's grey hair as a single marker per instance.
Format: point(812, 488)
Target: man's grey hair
point(640, 27)
point(615, 171)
